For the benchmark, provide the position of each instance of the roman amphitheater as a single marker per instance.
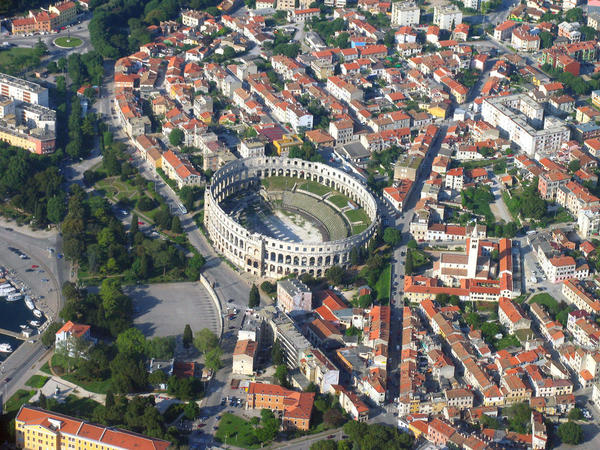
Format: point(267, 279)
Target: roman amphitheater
point(273, 216)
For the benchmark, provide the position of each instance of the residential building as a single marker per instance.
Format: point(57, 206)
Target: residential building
point(343, 90)
point(296, 407)
point(511, 316)
point(521, 117)
point(447, 17)
point(407, 167)
point(69, 333)
point(524, 41)
point(293, 295)
point(319, 369)
point(405, 14)
point(180, 170)
point(588, 222)
point(459, 398)
point(352, 404)
point(23, 90)
point(37, 428)
point(250, 148)
point(244, 357)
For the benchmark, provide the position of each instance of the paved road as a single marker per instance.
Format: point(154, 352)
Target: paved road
point(17, 366)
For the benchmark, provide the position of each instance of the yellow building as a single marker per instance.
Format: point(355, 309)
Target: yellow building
point(66, 11)
point(39, 429)
point(437, 111)
point(288, 141)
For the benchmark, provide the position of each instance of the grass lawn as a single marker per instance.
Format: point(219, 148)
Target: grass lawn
point(97, 386)
point(280, 183)
point(339, 200)
point(548, 301)
point(419, 258)
point(36, 381)
point(315, 188)
point(46, 368)
point(17, 400)
point(356, 229)
point(68, 42)
point(382, 287)
point(236, 431)
point(17, 59)
point(358, 215)
point(78, 407)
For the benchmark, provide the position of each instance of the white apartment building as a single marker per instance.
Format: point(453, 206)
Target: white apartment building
point(473, 4)
point(250, 148)
point(342, 131)
point(192, 18)
point(405, 14)
point(23, 90)
point(575, 295)
point(447, 17)
point(524, 41)
point(588, 222)
point(519, 116)
point(342, 90)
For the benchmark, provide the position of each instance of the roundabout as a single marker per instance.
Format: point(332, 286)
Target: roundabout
point(68, 42)
point(273, 216)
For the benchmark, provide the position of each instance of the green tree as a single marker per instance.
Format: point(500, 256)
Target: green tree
point(519, 415)
point(176, 137)
point(575, 414)
point(254, 297)
point(212, 359)
point(205, 340)
point(392, 236)
point(570, 432)
point(49, 335)
point(157, 378)
point(547, 39)
point(574, 15)
point(281, 373)
point(56, 209)
point(134, 228)
point(277, 355)
point(191, 410)
point(188, 337)
point(131, 342)
point(412, 244)
point(574, 165)
point(335, 275)
point(176, 225)
point(324, 445)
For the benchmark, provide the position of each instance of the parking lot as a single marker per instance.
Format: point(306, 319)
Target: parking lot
point(165, 309)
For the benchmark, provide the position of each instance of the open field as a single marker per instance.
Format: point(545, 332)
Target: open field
point(236, 431)
point(17, 59)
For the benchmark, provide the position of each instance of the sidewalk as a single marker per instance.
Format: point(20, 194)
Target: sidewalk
point(26, 230)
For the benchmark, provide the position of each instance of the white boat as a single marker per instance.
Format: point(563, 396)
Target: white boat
point(4, 292)
point(23, 327)
point(5, 348)
point(5, 285)
point(37, 313)
point(29, 303)
point(14, 297)
point(34, 323)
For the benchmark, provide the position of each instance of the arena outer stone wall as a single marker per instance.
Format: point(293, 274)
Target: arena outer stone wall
point(268, 257)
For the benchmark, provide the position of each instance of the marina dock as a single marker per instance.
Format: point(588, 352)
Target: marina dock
point(13, 334)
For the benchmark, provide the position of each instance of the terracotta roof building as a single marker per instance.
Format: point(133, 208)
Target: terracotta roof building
point(37, 428)
point(296, 406)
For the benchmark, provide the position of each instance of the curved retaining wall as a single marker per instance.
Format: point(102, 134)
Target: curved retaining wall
point(263, 255)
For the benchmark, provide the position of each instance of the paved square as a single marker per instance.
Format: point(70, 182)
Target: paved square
point(164, 309)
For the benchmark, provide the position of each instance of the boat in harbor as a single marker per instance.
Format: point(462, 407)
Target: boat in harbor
point(5, 348)
point(5, 285)
point(34, 323)
point(37, 313)
point(23, 327)
point(14, 297)
point(6, 291)
point(29, 303)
